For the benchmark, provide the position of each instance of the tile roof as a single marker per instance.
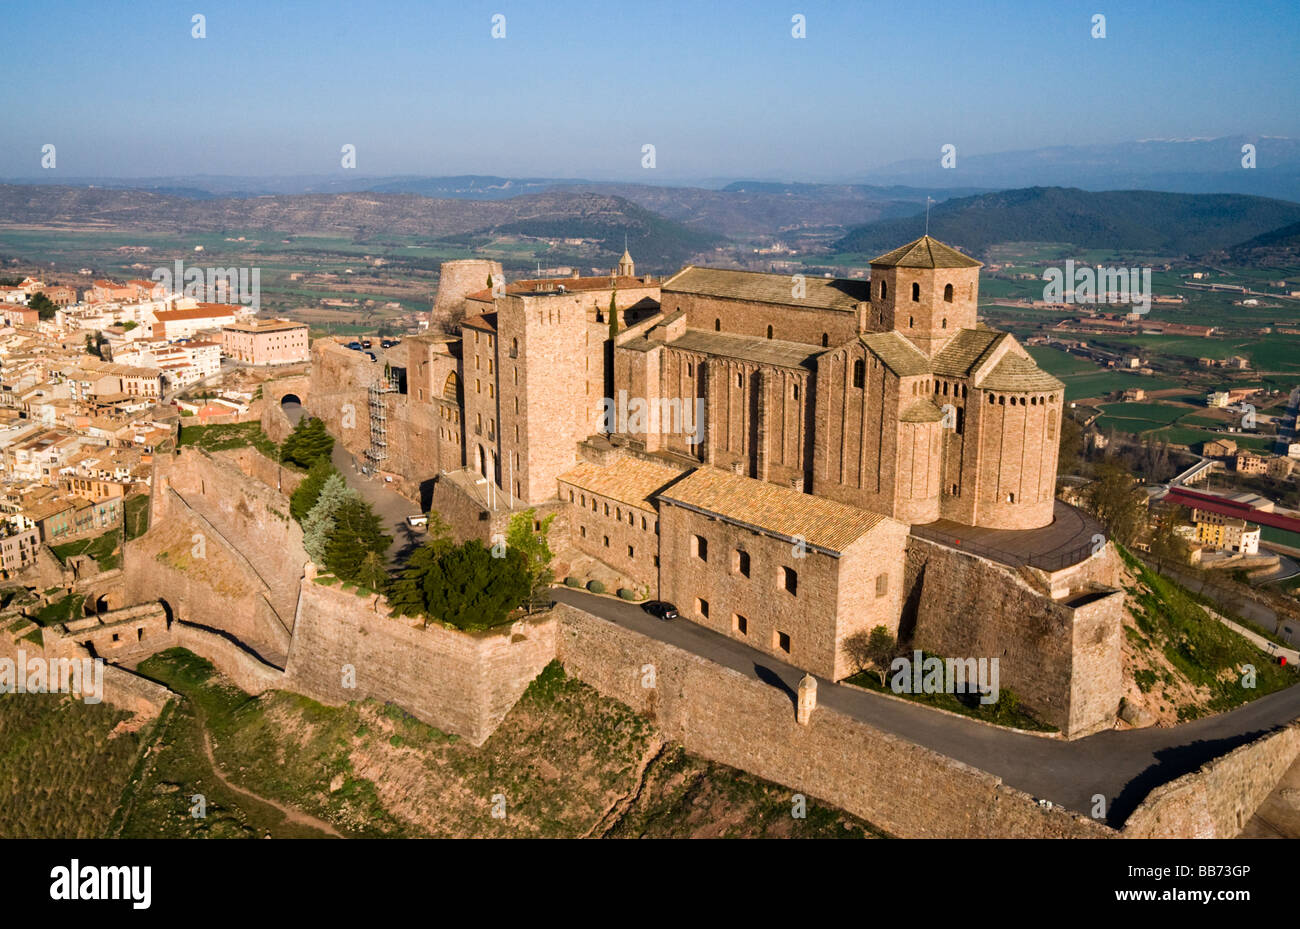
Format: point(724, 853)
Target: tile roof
point(821, 292)
point(1016, 373)
point(965, 351)
point(747, 348)
point(824, 524)
point(921, 411)
point(897, 353)
point(633, 481)
point(925, 252)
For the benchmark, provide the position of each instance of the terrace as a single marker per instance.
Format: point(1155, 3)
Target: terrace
point(1068, 540)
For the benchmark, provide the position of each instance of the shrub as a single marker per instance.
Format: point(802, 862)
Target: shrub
point(572, 582)
point(627, 594)
point(596, 587)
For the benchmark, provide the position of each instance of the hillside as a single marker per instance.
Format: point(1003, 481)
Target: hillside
point(361, 216)
point(1132, 220)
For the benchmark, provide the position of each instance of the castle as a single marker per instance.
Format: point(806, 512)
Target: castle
point(766, 451)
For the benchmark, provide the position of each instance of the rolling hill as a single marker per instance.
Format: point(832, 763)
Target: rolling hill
point(1134, 220)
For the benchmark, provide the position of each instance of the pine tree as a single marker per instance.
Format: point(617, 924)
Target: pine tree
point(305, 494)
point(358, 531)
point(308, 443)
point(613, 315)
point(318, 525)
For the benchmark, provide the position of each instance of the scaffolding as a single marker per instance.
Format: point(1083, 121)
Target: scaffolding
point(377, 453)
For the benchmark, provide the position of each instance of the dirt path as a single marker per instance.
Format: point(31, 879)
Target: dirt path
point(290, 814)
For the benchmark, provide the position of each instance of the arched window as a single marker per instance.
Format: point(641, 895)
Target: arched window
point(769, 332)
point(826, 339)
point(910, 322)
point(916, 293)
point(717, 325)
point(859, 373)
point(884, 290)
point(947, 293)
point(514, 348)
point(944, 324)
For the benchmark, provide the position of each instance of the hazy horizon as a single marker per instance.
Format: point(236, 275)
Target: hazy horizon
point(575, 90)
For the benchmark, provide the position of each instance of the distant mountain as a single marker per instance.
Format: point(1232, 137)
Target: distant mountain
point(470, 186)
point(663, 243)
point(1176, 165)
point(1279, 248)
point(1176, 224)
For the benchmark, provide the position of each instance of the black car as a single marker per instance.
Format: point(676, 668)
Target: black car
point(661, 608)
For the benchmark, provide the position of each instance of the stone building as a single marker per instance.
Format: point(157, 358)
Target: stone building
point(761, 449)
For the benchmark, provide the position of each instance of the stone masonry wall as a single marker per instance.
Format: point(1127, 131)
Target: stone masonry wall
point(725, 716)
point(1217, 800)
point(1062, 658)
point(463, 683)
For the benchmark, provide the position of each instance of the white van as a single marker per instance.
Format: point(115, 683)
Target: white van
point(418, 521)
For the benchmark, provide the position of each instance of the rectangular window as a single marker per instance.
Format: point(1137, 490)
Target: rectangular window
point(782, 641)
point(740, 563)
point(740, 624)
point(882, 584)
point(700, 547)
point(790, 580)
point(631, 552)
point(702, 607)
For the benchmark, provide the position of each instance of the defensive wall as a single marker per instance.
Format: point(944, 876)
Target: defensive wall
point(348, 648)
point(1061, 657)
point(222, 550)
point(723, 715)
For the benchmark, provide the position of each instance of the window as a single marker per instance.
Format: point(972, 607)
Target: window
point(884, 290)
point(796, 391)
point(859, 374)
point(740, 562)
point(700, 547)
point(607, 541)
point(782, 641)
point(582, 531)
point(910, 322)
point(944, 324)
point(1011, 498)
point(826, 339)
point(631, 553)
point(702, 607)
point(916, 293)
point(769, 332)
point(739, 624)
point(790, 580)
point(643, 524)
point(570, 496)
point(717, 325)
point(947, 293)
point(882, 584)
point(740, 379)
point(606, 509)
point(961, 420)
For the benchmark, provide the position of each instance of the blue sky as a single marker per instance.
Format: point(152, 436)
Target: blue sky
point(576, 88)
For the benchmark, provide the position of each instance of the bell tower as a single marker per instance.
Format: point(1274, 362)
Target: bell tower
point(925, 291)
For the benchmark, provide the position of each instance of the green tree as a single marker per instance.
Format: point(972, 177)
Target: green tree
point(305, 495)
point(871, 649)
point(318, 524)
point(613, 315)
point(1071, 446)
point(358, 531)
point(533, 545)
point(463, 585)
point(1167, 543)
point(1118, 501)
point(308, 443)
point(45, 307)
point(372, 572)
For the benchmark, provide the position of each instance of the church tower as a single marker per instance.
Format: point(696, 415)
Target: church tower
point(925, 291)
point(626, 267)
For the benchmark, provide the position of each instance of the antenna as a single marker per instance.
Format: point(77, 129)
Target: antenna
point(928, 201)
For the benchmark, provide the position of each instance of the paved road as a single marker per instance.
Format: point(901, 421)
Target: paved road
point(391, 506)
point(1121, 766)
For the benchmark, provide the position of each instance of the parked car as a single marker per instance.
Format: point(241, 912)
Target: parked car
point(419, 521)
point(662, 609)
point(355, 346)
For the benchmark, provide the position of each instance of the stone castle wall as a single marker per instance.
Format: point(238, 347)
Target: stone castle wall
point(1217, 800)
point(463, 683)
point(1061, 657)
point(222, 551)
point(727, 717)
